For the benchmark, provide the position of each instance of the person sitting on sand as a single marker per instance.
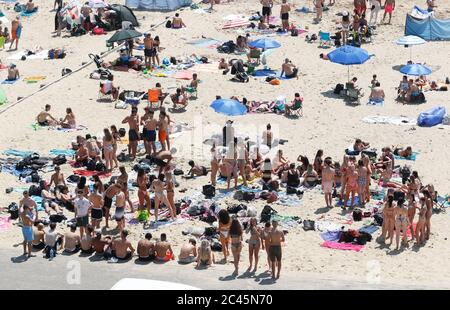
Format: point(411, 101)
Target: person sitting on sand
point(310, 177)
point(280, 163)
point(179, 97)
point(38, 242)
point(412, 92)
point(223, 65)
point(377, 94)
point(177, 22)
point(146, 248)
point(262, 25)
point(163, 249)
point(82, 155)
point(359, 145)
point(405, 153)
point(72, 240)
point(297, 103)
point(30, 7)
point(188, 252)
point(101, 244)
point(44, 118)
point(402, 88)
point(13, 73)
point(69, 120)
point(289, 69)
point(205, 256)
point(48, 200)
point(193, 85)
point(121, 247)
point(107, 87)
point(196, 170)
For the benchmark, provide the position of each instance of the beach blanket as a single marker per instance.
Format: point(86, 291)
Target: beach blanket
point(57, 152)
point(394, 120)
point(342, 246)
point(38, 201)
point(162, 73)
point(331, 236)
point(9, 82)
point(78, 128)
point(377, 103)
point(18, 153)
point(349, 201)
point(5, 223)
point(12, 170)
point(39, 55)
point(208, 67)
point(205, 43)
point(27, 14)
point(326, 226)
point(305, 10)
point(88, 173)
point(412, 157)
point(184, 75)
point(370, 229)
point(34, 79)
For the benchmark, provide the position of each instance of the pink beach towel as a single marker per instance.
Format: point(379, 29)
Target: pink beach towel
point(5, 223)
point(88, 173)
point(184, 75)
point(342, 246)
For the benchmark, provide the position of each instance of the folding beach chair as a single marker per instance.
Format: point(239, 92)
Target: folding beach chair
point(296, 109)
point(255, 54)
point(105, 91)
point(325, 39)
point(154, 98)
point(192, 92)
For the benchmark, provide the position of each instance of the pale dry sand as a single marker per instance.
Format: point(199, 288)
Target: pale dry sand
point(328, 123)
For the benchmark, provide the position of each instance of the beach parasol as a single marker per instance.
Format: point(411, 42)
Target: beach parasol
point(123, 35)
point(410, 41)
point(228, 107)
point(264, 44)
point(348, 55)
point(415, 70)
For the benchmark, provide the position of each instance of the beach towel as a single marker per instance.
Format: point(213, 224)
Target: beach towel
point(38, 201)
point(27, 14)
point(208, 67)
point(304, 10)
point(331, 235)
point(326, 226)
point(12, 170)
point(342, 246)
point(349, 201)
point(78, 128)
point(5, 223)
point(236, 23)
point(57, 152)
point(88, 173)
point(412, 157)
point(18, 153)
point(184, 75)
point(34, 79)
point(375, 102)
point(9, 82)
point(39, 55)
point(205, 43)
point(370, 229)
point(394, 120)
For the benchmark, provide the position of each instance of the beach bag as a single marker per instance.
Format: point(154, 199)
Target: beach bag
point(210, 231)
point(235, 208)
point(98, 31)
point(248, 196)
point(357, 215)
point(294, 32)
point(73, 178)
point(59, 160)
point(57, 218)
point(13, 210)
point(209, 217)
point(399, 195)
point(100, 166)
point(216, 246)
point(34, 190)
point(178, 172)
point(378, 219)
point(173, 60)
point(291, 190)
point(241, 77)
point(169, 24)
point(122, 132)
point(209, 191)
point(338, 89)
point(266, 214)
point(275, 82)
point(35, 178)
point(308, 225)
point(204, 60)
point(363, 238)
point(91, 164)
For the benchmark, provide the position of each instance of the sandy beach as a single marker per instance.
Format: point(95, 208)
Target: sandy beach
point(328, 123)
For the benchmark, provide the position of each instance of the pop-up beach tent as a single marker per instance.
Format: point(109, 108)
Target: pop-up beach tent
point(157, 5)
point(428, 27)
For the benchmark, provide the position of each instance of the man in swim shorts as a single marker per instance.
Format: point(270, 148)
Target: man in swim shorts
point(389, 7)
point(133, 133)
point(328, 174)
point(44, 118)
point(163, 249)
point(267, 9)
point(146, 248)
point(284, 12)
point(27, 218)
point(276, 236)
point(121, 246)
point(149, 131)
point(162, 132)
point(16, 31)
point(110, 192)
point(148, 47)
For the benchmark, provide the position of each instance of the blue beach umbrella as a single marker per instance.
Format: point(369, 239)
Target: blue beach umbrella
point(416, 70)
point(228, 107)
point(264, 44)
point(410, 41)
point(348, 55)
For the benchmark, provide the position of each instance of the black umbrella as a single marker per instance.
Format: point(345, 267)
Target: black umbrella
point(123, 35)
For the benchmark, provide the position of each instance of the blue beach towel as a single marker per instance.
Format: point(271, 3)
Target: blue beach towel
point(18, 153)
point(9, 82)
point(57, 152)
point(349, 201)
point(377, 103)
point(370, 229)
point(412, 157)
point(38, 201)
point(331, 235)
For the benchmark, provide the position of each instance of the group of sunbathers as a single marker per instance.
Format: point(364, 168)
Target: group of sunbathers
point(44, 118)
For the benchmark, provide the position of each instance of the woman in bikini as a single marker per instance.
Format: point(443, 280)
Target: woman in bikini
point(351, 185)
point(230, 165)
point(266, 242)
point(420, 228)
point(388, 220)
point(368, 166)
point(170, 193)
point(215, 162)
point(362, 182)
point(310, 177)
point(224, 231)
point(122, 179)
point(242, 154)
point(144, 198)
point(108, 149)
point(101, 187)
point(204, 254)
point(156, 49)
point(413, 186)
point(69, 120)
point(254, 243)
point(236, 243)
point(305, 163)
point(345, 27)
point(158, 186)
point(412, 207)
point(401, 223)
point(318, 163)
point(116, 137)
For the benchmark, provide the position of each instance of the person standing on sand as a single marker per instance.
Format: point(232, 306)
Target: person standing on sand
point(236, 243)
point(275, 253)
point(163, 135)
point(389, 7)
point(27, 218)
point(149, 131)
point(122, 179)
point(267, 10)
point(284, 14)
point(148, 47)
point(375, 7)
point(328, 174)
point(16, 31)
point(133, 133)
point(319, 4)
point(362, 182)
